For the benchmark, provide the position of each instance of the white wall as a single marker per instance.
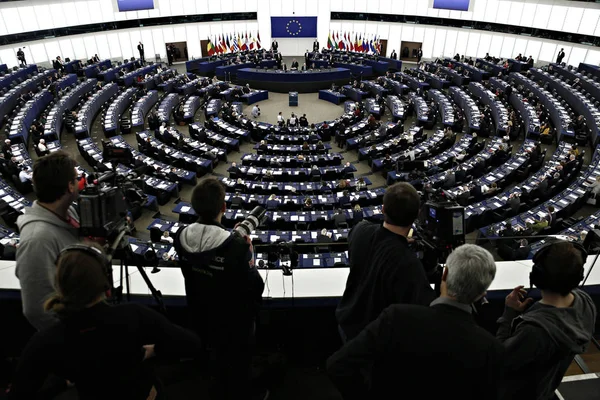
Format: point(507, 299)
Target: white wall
point(439, 41)
point(123, 43)
point(557, 15)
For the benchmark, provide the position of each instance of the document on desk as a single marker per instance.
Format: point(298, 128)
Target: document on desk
point(185, 209)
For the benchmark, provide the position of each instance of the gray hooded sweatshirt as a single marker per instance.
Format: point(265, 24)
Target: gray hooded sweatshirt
point(541, 344)
point(43, 235)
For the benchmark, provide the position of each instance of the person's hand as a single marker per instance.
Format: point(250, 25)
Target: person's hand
point(149, 351)
point(515, 299)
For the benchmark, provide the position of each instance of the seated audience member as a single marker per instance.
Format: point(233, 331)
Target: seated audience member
point(324, 236)
point(272, 203)
point(383, 269)
point(99, 347)
point(542, 338)
point(345, 198)
point(444, 334)
point(255, 111)
point(339, 218)
point(166, 238)
point(357, 215)
point(42, 148)
point(25, 175)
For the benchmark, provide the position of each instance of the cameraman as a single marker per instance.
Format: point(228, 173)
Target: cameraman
point(383, 269)
point(223, 289)
point(47, 227)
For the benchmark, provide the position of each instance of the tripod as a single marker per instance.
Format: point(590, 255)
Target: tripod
point(125, 253)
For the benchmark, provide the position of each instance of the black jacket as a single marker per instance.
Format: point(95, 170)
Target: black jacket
point(100, 350)
point(223, 290)
point(408, 339)
point(541, 344)
point(383, 271)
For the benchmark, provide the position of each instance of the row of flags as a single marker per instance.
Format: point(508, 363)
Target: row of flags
point(360, 42)
point(231, 43)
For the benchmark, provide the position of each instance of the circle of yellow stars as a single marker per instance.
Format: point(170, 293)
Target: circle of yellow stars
point(287, 27)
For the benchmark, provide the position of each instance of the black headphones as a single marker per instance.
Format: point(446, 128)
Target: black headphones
point(93, 252)
point(539, 277)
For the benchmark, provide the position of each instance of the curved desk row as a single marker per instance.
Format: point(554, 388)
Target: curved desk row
point(499, 112)
point(166, 106)
point(53, 125)
point(293, 81)
point(88, 111)
point(116, 109)
point(141, 108)
point(558, 114)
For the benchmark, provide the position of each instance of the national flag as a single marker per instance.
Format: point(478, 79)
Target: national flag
point(228, 43)
point(210, 49)
point(352, 43)
point(347, 40)
point(365, 45)
point(358, 46)
point(378, 47)
point(341, 42)
point(258, 45)
point(252, 44)
point(243, 43)
point(329, 42)
point(239, 42)
point(247, 42)
point(223, 45)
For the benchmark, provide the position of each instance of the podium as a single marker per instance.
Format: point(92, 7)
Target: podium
point(293, 97)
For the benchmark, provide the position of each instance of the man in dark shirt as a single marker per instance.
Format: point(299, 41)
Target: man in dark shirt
point(541, 339)
point(345, 198)
point(407, 339)
point(339, 218)
point(383, 269)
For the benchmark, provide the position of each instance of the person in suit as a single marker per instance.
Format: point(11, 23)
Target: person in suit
point(560, 56)
point(449, 180)
point(445, 333)
point(272, 203)
point(315, 45)
point(237, 201)
point(529, 62)
point(339, 218)
point(21, 57)
point(234, 171)
point(303, 121)
point(6, 149)
point(419, 55)
point(140, 48)
point(42, 148)
point(514, 202)
point(95, 59)
point(348, 169)
point(294, 65)
point(324, 236)
point(394, 56)
point(274, 46)
point(344, 199)
point(59, 64)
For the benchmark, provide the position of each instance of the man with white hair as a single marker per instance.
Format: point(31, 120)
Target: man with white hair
point(406, 340)
point(42, 148)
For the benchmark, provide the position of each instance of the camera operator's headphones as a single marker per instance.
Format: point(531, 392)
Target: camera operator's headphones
point(91, 251)
point(539, 277)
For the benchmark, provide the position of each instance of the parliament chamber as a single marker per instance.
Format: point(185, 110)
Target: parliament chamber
point(497, 108)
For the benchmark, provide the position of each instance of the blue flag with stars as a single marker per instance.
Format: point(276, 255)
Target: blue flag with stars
point(288, 27)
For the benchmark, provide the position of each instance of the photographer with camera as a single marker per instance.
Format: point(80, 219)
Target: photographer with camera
point(46, 227)
point(541, 339)
point(223, 289)
point(406, 340)
point(383, 269)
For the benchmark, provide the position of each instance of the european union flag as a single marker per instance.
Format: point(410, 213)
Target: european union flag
point(288, 27)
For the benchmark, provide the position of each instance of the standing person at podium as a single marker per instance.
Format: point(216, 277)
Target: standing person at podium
point(274, 46)
point(383, 269)
point(315, 45)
